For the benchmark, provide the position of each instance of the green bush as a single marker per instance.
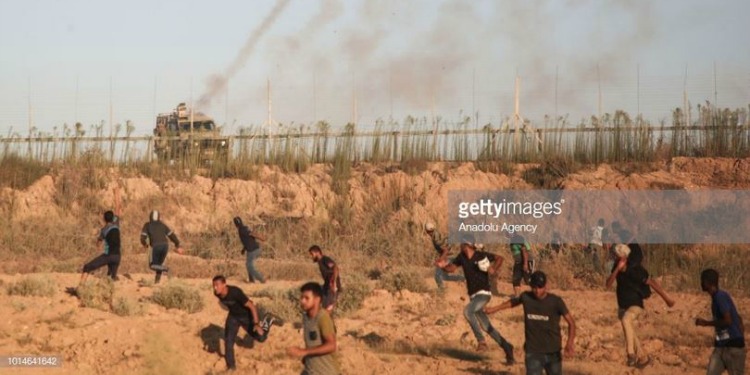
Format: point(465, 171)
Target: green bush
point(176, 295)
point(41, 286)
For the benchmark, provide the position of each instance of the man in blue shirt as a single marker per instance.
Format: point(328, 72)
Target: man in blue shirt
point(729, 344)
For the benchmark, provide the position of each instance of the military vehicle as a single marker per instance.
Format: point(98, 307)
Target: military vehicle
point(185, 135)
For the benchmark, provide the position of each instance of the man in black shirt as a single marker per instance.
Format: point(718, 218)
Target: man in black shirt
point(542, 312)
point(251, 248)
point(329, 270)
point(156, 233)
point(109, 236)
point(242, 313)
point(477, 267)
point(633, 285)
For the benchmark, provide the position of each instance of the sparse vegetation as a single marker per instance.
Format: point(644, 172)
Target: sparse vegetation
point(125, 307)
point(355, 290)
point(398, 280)
point(282, 302)
point(177, 295)
point(97, 294)
point(40, 286)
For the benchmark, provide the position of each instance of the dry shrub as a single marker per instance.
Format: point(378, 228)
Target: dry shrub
point(355, 289)
point(446, 320)
point(126, 307)
point(629, 168)
point(97, 294)
point(293, 271)
point(282, 302)
point(40, 286)
point(177, 295)
point(19, 173)
point(400, 279)
point(550, 173)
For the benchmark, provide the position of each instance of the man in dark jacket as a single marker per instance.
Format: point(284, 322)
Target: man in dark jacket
point(156, 233)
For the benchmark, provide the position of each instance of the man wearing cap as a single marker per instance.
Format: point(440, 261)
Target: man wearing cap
point(541, 317)
point(251, 248)
point(155, 233)
point(441, 247)
point(477, 267)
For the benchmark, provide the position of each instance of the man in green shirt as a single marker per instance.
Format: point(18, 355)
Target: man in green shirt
point(319, 334)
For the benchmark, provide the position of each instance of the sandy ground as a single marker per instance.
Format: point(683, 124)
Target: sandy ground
point(392, 334)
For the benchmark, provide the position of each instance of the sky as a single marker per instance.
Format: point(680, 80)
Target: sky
point(87, 61)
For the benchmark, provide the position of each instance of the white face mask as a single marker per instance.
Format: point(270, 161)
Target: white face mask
point(154, 215)
point(484, 264)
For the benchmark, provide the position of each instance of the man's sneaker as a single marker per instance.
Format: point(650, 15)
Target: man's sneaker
point(482, 346)
point(273, 319)
point(642, 364)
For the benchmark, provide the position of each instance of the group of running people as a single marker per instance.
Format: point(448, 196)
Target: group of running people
point(317, 301)
point(542, 310)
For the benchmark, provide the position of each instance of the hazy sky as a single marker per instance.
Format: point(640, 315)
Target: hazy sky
point(396, 58)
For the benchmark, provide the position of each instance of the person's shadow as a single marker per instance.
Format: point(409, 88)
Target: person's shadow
point(212, 335)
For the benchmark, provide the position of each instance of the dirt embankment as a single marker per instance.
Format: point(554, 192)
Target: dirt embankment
point(201, 203)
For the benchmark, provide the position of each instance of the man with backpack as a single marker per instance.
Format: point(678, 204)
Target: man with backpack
point(633, 286)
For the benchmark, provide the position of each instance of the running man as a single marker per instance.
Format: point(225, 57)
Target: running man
point(319, 334)
point(442, 249)
point(729, 344)
point(541, 319)
point(522, 263)
point(477, 267)
point(155, 233)
point(242, 313)
point(633, 286)
point(109, 236)
point(329, 270)
point(251, 249)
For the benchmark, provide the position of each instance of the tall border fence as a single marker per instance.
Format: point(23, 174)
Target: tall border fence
point(612, 138)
